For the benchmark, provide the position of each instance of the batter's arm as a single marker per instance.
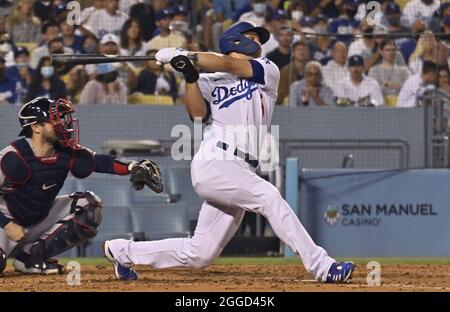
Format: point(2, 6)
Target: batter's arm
point(214, 62)
point(195, 103)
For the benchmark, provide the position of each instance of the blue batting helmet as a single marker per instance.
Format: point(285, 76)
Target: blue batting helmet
point(233, 40)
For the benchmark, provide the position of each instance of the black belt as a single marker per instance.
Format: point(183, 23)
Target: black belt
point(245, 156)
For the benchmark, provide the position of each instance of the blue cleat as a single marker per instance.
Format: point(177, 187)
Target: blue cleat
point(122, 272)
point(340, 272)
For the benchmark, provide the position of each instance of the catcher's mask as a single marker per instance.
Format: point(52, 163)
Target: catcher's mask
point(59, 113)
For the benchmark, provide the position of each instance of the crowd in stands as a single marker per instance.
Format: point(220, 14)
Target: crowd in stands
point(329, 52)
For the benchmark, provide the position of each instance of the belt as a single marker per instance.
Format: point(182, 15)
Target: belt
point(245, 156)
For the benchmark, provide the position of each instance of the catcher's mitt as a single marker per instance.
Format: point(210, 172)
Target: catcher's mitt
point(145, 172)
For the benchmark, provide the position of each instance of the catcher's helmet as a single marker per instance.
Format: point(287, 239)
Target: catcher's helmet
point(233, 39)
point(59, 113)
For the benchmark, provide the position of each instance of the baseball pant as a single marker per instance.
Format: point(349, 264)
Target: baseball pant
point(229, 188)
point(59, 211)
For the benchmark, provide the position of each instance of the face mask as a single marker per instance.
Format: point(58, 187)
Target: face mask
point(351, 12)
point(260, 8)
point(47, 71)
point(5, 47)
point(297, 15)
point(107, 78)
point(393, 20)
point(21, 65)
point(59, 51)
point(90, 48)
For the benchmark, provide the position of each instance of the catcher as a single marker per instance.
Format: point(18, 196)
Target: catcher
point(35, 225)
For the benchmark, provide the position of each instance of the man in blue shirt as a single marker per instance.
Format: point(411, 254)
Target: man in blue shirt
point(345, 24)
point(8, 86)
point(21, 71)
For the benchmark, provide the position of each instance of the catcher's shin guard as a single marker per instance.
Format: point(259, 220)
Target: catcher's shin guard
point(2, 261)
point(77, 227)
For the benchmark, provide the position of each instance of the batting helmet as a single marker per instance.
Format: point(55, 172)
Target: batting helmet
point(2, 261)
point(233, 39)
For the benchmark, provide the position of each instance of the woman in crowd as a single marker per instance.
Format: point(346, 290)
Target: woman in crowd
point(311, 91)
point(45, 82)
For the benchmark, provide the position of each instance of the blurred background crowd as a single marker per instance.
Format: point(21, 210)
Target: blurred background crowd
point(329, 52)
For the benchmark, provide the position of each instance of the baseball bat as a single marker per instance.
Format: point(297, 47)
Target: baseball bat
point(82, 59)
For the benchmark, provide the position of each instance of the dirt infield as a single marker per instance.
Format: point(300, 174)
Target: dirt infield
point(236, 277)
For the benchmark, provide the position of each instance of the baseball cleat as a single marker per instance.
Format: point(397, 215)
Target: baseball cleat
point(122, 272)
point(48, 267)
point(340, 272)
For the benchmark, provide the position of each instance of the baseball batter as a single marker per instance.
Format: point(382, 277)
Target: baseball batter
point(35, 225)
point(240, 93)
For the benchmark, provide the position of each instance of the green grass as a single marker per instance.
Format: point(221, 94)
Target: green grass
point(279, 260)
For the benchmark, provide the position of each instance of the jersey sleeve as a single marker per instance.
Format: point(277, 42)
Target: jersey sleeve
point(265, 73)
point(205, 83)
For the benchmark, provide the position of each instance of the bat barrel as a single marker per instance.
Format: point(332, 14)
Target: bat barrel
point(83, 59)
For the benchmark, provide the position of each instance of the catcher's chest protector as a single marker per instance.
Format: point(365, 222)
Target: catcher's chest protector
point(31, 200)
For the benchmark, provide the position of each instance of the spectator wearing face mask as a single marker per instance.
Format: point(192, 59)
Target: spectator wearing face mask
point(105, 88)
point(8, 86)
point(21, 70)
point(419, 10)
point(7, 47)
point(258, 15)
point(50, 31)
point(45, 82)
point(165, 38)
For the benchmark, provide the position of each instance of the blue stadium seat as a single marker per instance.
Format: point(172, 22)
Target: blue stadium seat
point(160, 220)
point(113, 190)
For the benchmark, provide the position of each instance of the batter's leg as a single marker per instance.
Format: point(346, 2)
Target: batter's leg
point(216, 225)
point(255, 194)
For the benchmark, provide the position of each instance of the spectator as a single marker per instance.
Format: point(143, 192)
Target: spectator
point(45, 82)
point(24, 26)
point(419, 10)
point(321, 47)
point(335, 70)
point(47, 10)
point(346, 24)
point(389, 75)
point(317, 7)
point(105, 88)
point(107, 20)
point(222, 15)
point(446, 28)
point(153, 79)
point(21, 71)
point(281, 56)
point(86, 14)
point(110, 45)
point(75, 80)
point(444, 79)
point(258, 14)
point(131, 38)
point(165, 39)
point(144, 12)
point(8, 86)
point(90, 44)
point(415, 83)
point(357, 88)
point(372, 56)
point(69, 38)
point(392, 15)
point(50, 30)
point(358, 47)
point(427, 49)
point(274, 22)
point(311, 91)
point(7, 47)
point(295, 70)
point(125, 5)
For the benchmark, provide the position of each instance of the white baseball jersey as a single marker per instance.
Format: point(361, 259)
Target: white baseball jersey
point(239, 105)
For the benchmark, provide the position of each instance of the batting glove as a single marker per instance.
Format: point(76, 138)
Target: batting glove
point(165, 55)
